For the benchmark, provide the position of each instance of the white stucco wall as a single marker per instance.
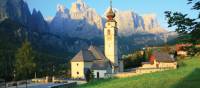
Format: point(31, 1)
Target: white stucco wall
point(102, 73)
point(160, 65)
point(167, 65)
point(149, 65)
point(183, 53)
point(77, 69)
point(110, 42)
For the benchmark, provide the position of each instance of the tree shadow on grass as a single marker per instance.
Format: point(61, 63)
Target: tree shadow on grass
point(191, 81)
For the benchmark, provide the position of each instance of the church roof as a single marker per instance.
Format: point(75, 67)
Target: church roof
point(96, 53)
point(163, 57)
point(83, 55)
point(93, 53)
point(101, 65)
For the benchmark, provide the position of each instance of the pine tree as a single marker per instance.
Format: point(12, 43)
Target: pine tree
point(24, 61)
point(188, 28)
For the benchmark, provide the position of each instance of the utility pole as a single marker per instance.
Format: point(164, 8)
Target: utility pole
point(53, 69)
point(26, 78)
point(35, 75)
point(5, 72)
point(53, 73)
point(15, 78)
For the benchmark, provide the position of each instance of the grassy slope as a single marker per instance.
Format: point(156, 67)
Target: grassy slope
point(187, 76)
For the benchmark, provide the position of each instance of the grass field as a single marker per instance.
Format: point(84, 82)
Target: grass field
point(186, 76)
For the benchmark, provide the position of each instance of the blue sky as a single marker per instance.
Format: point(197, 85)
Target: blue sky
point(48, 7)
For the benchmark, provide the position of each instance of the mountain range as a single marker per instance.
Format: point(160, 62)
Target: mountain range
point(78, 27)
point(83, 21)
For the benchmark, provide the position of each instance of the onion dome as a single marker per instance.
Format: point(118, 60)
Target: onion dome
point(110, 14)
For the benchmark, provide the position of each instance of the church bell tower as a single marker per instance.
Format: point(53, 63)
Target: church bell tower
point(110, 39)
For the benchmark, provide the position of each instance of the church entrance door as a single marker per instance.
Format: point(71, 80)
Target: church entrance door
point(97, 75)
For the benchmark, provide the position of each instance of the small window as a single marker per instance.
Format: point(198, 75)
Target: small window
point(108, 32)
point(77, 72)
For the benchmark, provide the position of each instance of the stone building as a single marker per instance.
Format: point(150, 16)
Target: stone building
point(159, 61)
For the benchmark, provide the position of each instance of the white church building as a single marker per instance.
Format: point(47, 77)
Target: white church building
point(94, 60)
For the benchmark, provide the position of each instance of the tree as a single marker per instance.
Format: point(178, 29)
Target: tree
point(188, 28)
point(24, 61)
point(9, 42)
point(133, 60)
point(89, 75)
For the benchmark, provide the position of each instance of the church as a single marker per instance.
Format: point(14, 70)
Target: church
point(100, 64)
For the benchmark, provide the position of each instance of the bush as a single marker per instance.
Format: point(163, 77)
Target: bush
point(133, 60)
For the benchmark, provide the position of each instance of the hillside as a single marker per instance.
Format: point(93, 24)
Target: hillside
point(187, 76)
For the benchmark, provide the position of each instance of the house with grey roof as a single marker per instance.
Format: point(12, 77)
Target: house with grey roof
point(158, 61)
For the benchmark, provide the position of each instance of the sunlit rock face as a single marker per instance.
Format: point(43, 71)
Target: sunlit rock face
point(151, 24)
point(130, 23)
point(78, 21)
point(83, 21)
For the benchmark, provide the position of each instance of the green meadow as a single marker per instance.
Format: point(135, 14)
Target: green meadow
point(186, 76)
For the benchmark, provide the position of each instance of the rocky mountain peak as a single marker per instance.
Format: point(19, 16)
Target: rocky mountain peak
point(34, 12)
point(37, 14)
point(60, 8)
point(14, 9)
point(83, 21)
point(79, 6)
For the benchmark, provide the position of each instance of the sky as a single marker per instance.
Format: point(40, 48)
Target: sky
point(158, 7)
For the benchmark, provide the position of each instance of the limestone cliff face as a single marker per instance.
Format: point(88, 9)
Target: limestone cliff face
point(80, 21)
point(130, 23)
point(18, 10)
point(151, 24)
point(14, 9)
point(84, 22)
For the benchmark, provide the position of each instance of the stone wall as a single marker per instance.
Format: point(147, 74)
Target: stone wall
point(126, 74)
point(102, 73)
point(150, 70)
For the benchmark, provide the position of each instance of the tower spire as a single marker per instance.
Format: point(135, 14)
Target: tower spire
point(110, 13)
point(110, 3)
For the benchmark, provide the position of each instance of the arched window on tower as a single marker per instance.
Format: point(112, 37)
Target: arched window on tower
point(108, 32)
